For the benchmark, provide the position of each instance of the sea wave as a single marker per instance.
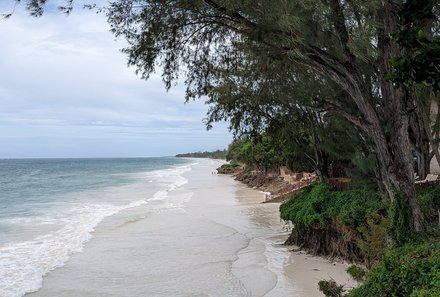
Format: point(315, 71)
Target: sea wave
point(24, 264)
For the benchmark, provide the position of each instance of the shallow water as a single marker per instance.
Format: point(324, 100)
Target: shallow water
point(49, 208)
point(186, 233)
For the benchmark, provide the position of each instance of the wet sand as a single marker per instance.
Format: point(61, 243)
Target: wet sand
point(296, 272)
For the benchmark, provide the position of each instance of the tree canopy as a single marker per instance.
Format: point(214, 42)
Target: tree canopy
point(312, 66)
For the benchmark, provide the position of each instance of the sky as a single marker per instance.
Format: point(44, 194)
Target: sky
point(66, 91)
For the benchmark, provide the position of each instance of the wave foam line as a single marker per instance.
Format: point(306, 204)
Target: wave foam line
point(24, 264)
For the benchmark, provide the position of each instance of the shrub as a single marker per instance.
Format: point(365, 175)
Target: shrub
point(373, 244)
point(230, 165)
point(409, 271)
point(429, 201)
point(400, 216)
point(321, 204)
point(330, 288)
point(425, 293)
point(356, 272)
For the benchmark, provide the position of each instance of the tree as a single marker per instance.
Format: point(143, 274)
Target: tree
point(36, 7)
point(419, 67)
point(262, 98)
point(415, 35)
point(346, 41)
point(289, 106)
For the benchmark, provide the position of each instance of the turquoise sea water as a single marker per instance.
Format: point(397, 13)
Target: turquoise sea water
point(50, 207)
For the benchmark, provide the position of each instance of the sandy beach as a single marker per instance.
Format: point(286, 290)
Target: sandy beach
point(210, 237)
point(297, 273)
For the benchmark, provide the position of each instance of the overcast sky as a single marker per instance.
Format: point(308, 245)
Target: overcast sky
point(65, 91)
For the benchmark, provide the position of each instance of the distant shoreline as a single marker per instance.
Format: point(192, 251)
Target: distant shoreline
point(218, 154)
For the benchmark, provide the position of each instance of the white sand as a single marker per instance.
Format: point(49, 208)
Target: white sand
point(210, 237)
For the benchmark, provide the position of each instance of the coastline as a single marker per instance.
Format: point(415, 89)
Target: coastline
point(210, 237)
point(277, 187)
point(300, 268)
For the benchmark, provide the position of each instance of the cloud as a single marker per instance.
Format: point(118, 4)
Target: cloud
point(65, 90)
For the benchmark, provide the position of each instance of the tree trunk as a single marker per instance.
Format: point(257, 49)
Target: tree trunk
point(420, 129)
point(435, 136)
point(420, 145)
point(389, 128)
point(321, 165)
point(398, 105)
point(387, 123)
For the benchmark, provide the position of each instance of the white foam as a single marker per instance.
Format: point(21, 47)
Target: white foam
point(172, 177)
point(159, 195)
point(24, 264)
point(157, 175)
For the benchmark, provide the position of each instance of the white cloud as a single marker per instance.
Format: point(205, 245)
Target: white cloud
point(64, 84)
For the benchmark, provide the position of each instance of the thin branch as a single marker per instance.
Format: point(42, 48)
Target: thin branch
point(336, 108)
point(5, 16)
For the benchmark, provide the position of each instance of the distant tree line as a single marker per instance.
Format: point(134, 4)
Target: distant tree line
point(218, 154)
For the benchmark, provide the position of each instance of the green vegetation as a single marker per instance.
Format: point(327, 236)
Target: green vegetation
point(331, 288)
point(429, 200)
point(218, 154)
point(262, 152)
point(401, 230)
point(322, 204)
point(404, 263)
point(409, 271)
point(356, 272)
point(420, 64)
point(230, 166)
point(373, 240)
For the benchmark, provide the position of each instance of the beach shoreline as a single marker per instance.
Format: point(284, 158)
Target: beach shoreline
point(301, 269)
point(211, 236)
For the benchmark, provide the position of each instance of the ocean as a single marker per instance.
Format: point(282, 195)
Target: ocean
point(147, 227)
point(49, 208)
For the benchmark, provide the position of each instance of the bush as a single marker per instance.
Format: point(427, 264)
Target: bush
point(321, 204)
point(409, 271)
point(230, 166)
point(425, 293)
point(331, 288)
point(429, 201)
point(356, 272)
point(373, 244)
point(400, 216)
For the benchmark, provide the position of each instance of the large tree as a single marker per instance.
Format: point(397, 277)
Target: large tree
point(259, 95)
point(348, 41)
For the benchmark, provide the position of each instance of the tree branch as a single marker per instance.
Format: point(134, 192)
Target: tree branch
point(341, 29)
point(338, 109)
